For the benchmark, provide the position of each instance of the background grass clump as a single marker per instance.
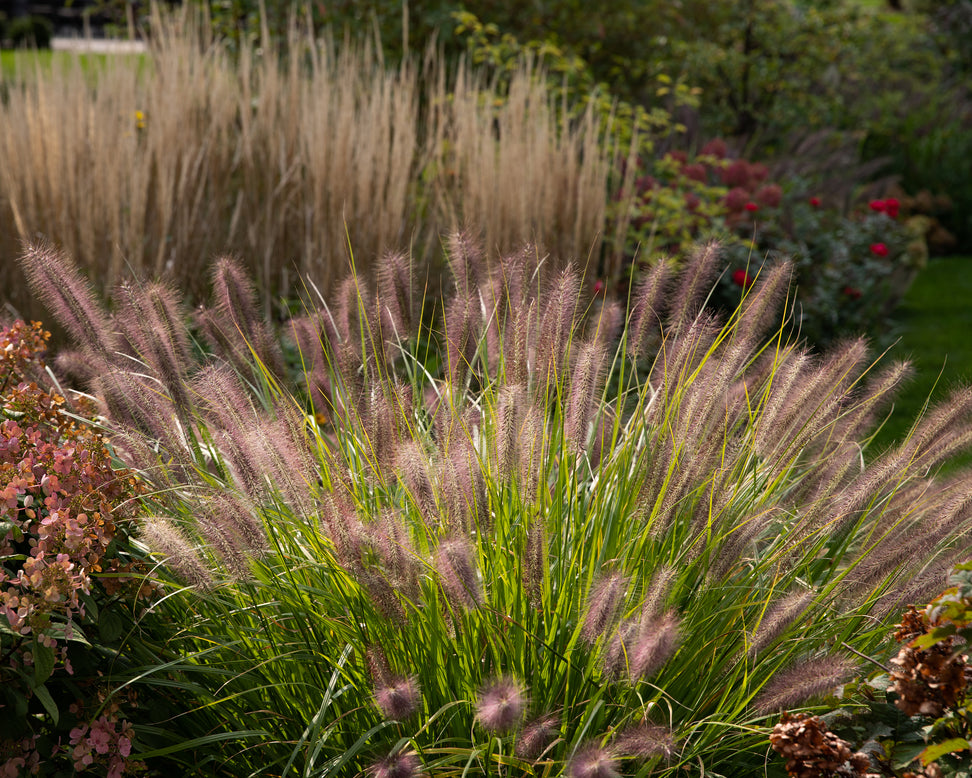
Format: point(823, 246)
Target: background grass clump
point(515, 530)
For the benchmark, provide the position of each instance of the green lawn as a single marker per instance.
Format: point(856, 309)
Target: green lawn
point(23, 62)
point(936, 323)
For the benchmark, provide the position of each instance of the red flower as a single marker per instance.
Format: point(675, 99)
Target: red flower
point(879, 249)
point(815, 202)
point(891, 206)
point(852, 292)
point(751, 207)
point(877, 205)
point(741, 278)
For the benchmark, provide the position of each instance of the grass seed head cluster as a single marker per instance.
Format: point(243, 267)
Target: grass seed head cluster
point(514, 530)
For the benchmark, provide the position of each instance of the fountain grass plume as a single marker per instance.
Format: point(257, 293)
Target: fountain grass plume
point(661, 534)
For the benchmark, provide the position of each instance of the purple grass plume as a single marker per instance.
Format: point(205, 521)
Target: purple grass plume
point(398, 764)
point(593, 761)
point(398, 697)
point(803, 681)
point(603, 606)
point(167, 540)
point(500, 705)
point(455, 564)
point(646, 741)
point(537, 736)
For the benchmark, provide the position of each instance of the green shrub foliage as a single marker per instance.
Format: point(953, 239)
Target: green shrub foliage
point(518, 529)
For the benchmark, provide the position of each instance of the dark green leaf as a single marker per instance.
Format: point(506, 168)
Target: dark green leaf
point(110, 626)
point(47, 701)
point(43, 663)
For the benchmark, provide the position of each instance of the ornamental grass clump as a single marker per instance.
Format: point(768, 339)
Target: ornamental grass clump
point(498, 534)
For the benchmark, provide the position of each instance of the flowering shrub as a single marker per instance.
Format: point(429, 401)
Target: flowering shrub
point(851, 271)
point(63, 567)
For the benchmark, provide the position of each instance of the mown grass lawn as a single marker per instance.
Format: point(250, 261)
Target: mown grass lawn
point(936, 324)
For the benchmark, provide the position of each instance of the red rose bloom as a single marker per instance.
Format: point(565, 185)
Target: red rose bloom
point(741, 278)
point(852, 292)
point(877, 205)
point(752, 207)
point(815, 202)
point(879, 249)
point(891, 206)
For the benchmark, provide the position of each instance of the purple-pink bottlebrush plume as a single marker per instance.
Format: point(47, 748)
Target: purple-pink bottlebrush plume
point(397, 697)
point(537, 736)
point(776, 621)
point(305, 332)
point(466, 259)
point(500, 705)
point(646, 741)
point(798, 684)
point(607, 325)
point(167, 540)
point(463, 320)
point(236, 516)
point(227, 544)
point(603, 605)
point(412, 467)
point(593, 761)
point(398, 764)
point(456, 566)
point(556, 329)
point(509, 406)
point(235, 326)
point(654, 642)
point(585, 387)
point(154, 343)
point(693, 284)
point(647, 308)
point(56, 280)
point(518, 351)
point(534, 561)
point(394, 296)
point(759, 310)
